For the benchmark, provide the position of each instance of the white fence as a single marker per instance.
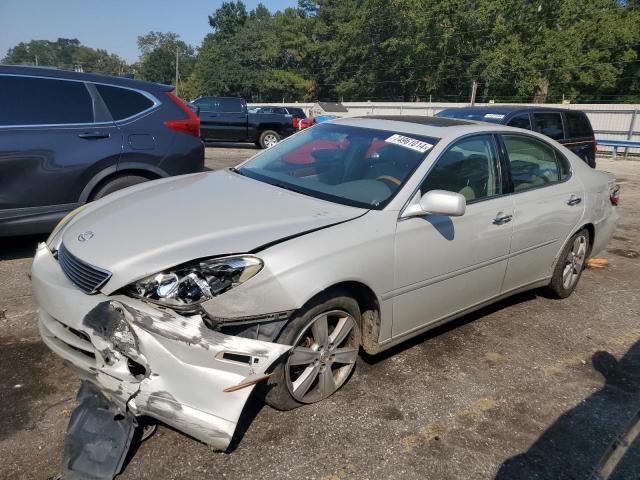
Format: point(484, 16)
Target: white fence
point(613, 121)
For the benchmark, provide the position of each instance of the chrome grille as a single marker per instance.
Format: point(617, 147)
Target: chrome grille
point(86, 277)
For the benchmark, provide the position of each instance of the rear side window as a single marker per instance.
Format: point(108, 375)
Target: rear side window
point(520, 121)
point(549, 124)
point(578, 125)
point(43, 101)
point(469, 167)
point(122, 102)
point(230, 105)
point(533, 163)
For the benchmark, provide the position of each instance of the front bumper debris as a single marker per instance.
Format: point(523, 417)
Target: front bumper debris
point(148, 360)
point(98, 437)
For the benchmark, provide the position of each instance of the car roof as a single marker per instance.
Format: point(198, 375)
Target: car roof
point(506, 109)
point(435, 127)
point(52, 72)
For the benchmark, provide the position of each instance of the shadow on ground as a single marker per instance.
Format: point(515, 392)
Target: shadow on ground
point(12, 248)
point(576, 444)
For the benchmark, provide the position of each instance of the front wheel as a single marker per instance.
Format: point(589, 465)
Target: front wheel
point(269, 138)
point(570, 265)
point(325, 338)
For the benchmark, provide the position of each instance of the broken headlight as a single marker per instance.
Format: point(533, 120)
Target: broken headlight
point(196, 282)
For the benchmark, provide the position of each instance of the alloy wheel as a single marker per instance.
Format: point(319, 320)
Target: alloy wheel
point(323, 356)
point(574, 262)
point(270, 140)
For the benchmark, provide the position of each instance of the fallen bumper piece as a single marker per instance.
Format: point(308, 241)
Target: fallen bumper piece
point(98, 437)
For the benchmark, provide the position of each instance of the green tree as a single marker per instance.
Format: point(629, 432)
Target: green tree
point(65, 53)
point(158, 57)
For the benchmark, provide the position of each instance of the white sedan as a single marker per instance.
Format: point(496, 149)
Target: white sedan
point(174, 298)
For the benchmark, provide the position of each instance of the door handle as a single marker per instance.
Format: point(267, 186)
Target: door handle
point(501, 219)
point(93, 135)
point(574, 200)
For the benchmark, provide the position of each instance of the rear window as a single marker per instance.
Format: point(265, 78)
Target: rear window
point(549, 124)
point(122, 102)
point(578, 125)
point(297, 112)
point(43, 101)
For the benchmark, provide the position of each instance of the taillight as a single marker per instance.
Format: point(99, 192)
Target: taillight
point(295, 121)
point(190, 126)
point(614, 194)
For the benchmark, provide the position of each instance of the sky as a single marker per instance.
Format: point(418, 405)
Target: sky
point(110, 24)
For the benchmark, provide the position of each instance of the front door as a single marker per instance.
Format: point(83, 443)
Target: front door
point(51, 143)
point(445, 265)
point(548, 204)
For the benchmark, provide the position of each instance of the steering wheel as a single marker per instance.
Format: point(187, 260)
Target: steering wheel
point(390, 179)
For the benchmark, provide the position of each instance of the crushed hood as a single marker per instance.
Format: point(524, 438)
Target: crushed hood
point(157, 225)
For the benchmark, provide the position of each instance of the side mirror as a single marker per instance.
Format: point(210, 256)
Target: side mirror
point(195, 108)
point(436, 202)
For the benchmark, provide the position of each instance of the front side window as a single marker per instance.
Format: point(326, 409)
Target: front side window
point(349, 165)
point(549, 124)
point(533, 163)
point(43, 101)
point(470, 167)
point(520, 121)
point(123, 102)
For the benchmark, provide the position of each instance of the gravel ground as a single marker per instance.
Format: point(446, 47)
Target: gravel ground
point(527, 388)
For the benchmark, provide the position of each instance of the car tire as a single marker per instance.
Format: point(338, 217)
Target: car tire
point(116, 184)
point(314, 369)
point(268, 139)
point(570, 264)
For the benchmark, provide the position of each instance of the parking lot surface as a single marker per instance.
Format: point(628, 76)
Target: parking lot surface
point(528, 388)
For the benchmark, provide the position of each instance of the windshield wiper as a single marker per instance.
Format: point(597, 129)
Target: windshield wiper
point(290, 188)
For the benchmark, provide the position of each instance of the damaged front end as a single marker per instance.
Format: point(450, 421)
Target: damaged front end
point(152, 361)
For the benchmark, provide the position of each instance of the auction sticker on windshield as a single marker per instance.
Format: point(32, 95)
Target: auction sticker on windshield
point(412, 143)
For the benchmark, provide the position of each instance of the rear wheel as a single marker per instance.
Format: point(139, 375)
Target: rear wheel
point(115, 184)
point(570, 265)
point(325, 338)
point(269, 138)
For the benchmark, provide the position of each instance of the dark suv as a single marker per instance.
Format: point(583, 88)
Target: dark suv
point(568, 127)
point(67, 138)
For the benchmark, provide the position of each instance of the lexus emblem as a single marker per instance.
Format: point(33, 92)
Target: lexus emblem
point(84, 236)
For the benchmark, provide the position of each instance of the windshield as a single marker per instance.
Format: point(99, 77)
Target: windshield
point(479, 116)
point(354, 166)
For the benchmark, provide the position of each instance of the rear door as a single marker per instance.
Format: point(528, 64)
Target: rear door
point(548, 203)
point(225, 120)
point(53, 137)
point(580, 139)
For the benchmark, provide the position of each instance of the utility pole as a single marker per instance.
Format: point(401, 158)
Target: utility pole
point(177, 68)
point(36, 60)
point(474, 87)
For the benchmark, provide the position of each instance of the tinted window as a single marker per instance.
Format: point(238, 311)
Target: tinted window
point(230, 105)
point(41, 101)
point(520, 121)
point(348, 165)
point(578, 125)
point(533, 163)
point(122, 102)
point(205, 104)
point(549, 124)
point(470, 167)
point(298, 112)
